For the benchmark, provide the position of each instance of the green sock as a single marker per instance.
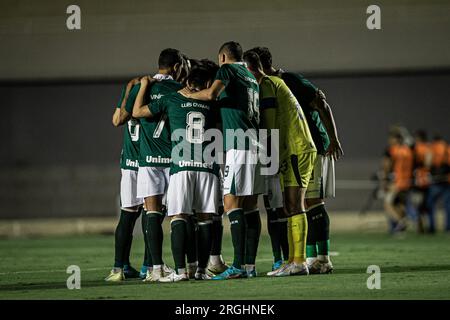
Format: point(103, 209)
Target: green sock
point(147, 255)
point(178, 242)
point(191, 239)
point(237, 227)
point(273, 227)
point(217, 233)
point(311, 248)
point(204, 234)
point(322, 230)
point(124, 238)
point(253, 233)
point(155, 235)
point(323, 247)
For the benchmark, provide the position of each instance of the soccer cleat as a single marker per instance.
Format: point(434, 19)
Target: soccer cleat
point(116, 275)
point(277, 264)
point(217, 268)
point(201, 276)
point(167, 270)
point(230, 273)
point(276, 271)
point(148, 276)
point(129, 272)
point(143, 272)
point(320, 267)
point(173, 277)
point(293, 269)
point(251, 274)
point(327, 267)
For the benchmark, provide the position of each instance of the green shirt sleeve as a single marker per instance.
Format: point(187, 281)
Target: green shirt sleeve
point(132, 97)
point(158, 107)
point(224, 74)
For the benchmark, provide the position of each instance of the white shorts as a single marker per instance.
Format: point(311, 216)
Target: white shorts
point(128, 189)
point(273, 191)
point(322, 184)
point(242, 174)
point(192, 190)
point(152, 181)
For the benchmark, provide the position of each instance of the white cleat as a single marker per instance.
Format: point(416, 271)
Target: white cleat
point(167, 270)
point(173, 277)
point(294, 269)
point(217, 268)
point(201, 276)
point(320, 267)
point(280, 269)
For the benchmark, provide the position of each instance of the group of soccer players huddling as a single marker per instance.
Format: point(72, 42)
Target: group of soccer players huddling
point(167, 121)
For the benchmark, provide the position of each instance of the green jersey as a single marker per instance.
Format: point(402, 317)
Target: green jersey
point(305, 92)
point(188, 121)
point(239, 102)
point(155, 145)
point(130, 147)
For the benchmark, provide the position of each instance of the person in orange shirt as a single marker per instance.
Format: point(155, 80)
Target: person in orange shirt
point(422, 177)
point(440, 187)
point(398, 173)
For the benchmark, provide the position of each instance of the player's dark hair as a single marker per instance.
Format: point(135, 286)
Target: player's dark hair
point(421, 134)
point(194, 63)
point(252, 60)
point(169, 57)
point(210, 65)
point(199, 77)
point(264, 55)
point(232, 49)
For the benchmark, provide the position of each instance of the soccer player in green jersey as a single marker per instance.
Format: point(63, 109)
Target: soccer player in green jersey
point(131, 205)
point(321, 122)
point(194, 184)
point(237, 91)
point(155, 155)
point(297, 152)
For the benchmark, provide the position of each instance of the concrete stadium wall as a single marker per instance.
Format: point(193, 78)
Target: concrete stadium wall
point(123, 38)
point(59, 154)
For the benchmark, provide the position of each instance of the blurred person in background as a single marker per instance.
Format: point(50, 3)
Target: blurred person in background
point(397, 177)
point(440, 188)
point(422, 177)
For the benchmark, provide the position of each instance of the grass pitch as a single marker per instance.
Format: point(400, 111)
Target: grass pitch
point(416, 267)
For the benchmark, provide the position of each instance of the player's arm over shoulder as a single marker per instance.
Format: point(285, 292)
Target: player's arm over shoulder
point(121, 114)
point(213, 92)
point(209, 94)
point(140, 109)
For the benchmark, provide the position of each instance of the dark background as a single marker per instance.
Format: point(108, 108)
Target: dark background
point(59, 153)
